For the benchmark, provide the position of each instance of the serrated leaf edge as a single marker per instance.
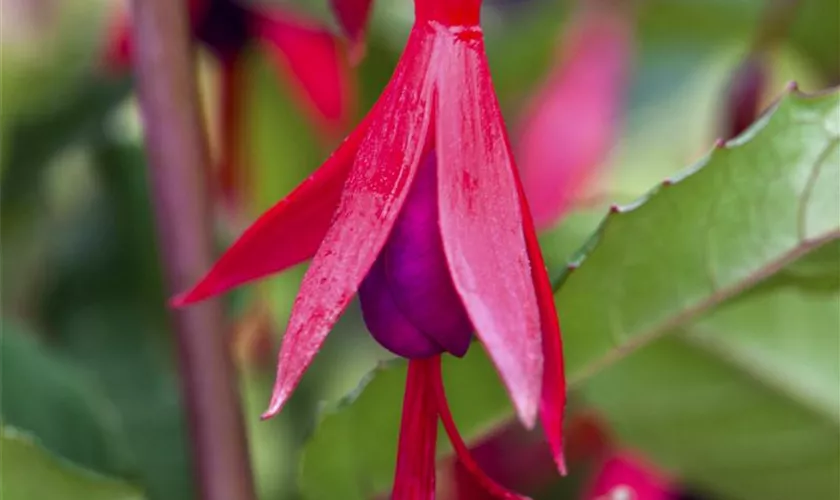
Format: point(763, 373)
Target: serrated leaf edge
point(616, 211)
point(720, 146)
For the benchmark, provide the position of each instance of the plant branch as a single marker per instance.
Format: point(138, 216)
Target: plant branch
point(178, 159)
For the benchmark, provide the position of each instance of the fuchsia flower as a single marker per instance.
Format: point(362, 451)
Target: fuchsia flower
point(626, 475)
point(573, 121)
point(308, 56)
point(420, 211)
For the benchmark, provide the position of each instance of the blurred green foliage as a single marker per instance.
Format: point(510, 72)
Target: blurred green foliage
point(739, 397)
point(46, 389)
point(28, 471)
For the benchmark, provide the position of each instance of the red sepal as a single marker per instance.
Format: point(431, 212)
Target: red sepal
point(481, 219)
point(553, 389)
point(553, 393)
point(287, 234)
point(353, 17)
point(311, 57)
point(375, 190)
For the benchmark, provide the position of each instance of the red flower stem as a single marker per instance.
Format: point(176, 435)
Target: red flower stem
point(177, 153)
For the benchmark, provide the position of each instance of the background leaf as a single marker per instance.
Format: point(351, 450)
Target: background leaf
point(102, 304)
point(51, 399)
point(33, 141)
point(732, 387)
point(28, 471)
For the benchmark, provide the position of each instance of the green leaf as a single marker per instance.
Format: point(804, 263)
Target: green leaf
point(355, 445)
point(27, 471)
point(103, 306)
point(48, 397)
point(703, 319)
point(32, 141)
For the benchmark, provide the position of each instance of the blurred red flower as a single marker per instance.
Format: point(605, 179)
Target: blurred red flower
point(625, 475)
point(353, 16)
point(309, 57)
point(572, 123)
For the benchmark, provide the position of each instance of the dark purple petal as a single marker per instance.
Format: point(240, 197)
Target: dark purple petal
point(387, 323)
point(224, 26)
point(412, 278)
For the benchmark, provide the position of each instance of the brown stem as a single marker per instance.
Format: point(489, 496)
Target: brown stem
point(230, 99)
point(177, 152)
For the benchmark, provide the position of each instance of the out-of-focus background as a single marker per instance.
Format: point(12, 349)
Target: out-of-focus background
point(87, 351)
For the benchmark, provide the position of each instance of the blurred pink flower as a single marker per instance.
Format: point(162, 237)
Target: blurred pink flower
point(626, 476)
point(572, 123)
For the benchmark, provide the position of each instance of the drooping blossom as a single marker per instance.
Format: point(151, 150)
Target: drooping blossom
point(746, 92)
point(519, 460)
point(572, 123)
point(353, 15)
point(626, 475)
point(743, 99)
point(420, 211)
point(307, 56)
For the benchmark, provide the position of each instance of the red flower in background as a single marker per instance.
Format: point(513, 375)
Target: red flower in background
point(573, 121)
point(308, 56)
point(625, 475)
point(514, 458)
point(353, 16)
point(743, 100)
point(745, 96)
point(421, 212)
